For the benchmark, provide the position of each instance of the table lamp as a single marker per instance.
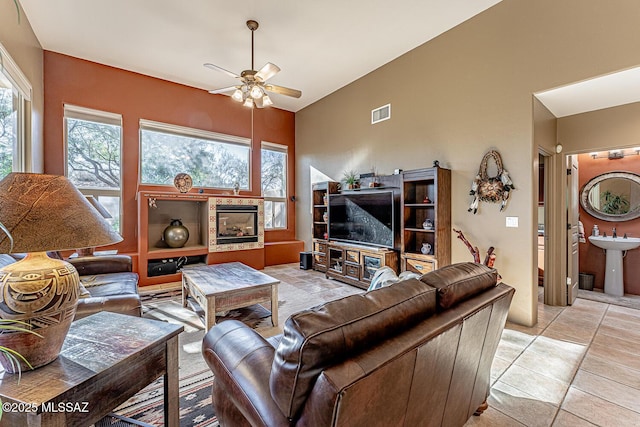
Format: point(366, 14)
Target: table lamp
point(43, 213)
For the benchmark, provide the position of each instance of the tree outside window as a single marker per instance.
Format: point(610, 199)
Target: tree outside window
point(94, 146)
point(9, 104)
point(210, 163)
point(274, 185)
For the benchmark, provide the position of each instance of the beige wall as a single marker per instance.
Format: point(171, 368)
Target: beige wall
point(17, 36)
point(617, 127)
point(461, 94)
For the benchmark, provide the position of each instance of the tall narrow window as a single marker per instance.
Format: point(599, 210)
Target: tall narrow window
point(15, 93)
point(274, 185)
point(94, 153)
point(212, 159)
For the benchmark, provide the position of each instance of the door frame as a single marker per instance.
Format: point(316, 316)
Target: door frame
point(555, 254)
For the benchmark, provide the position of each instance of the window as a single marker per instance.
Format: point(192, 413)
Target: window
point(15, 93)
point(274, 185)
point(212, 160)
point(94, 152)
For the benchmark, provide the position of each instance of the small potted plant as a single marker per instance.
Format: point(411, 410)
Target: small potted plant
point(350, 179)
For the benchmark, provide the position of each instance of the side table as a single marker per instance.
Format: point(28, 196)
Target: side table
point(106, 358)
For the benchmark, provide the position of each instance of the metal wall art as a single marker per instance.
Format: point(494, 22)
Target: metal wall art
point(496, 189)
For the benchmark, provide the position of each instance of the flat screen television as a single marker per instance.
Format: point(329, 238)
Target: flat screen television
point(365, 217)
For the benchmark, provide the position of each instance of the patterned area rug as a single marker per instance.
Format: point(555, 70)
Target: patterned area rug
point(147, 406)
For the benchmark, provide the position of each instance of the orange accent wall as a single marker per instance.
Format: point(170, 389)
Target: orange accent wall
point(136, 96)
point(592, 258)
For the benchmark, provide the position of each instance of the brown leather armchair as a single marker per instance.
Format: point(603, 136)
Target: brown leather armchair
point(415, 353)
point(109, 283)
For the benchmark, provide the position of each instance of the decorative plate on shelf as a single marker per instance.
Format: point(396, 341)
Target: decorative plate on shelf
point(183, 182)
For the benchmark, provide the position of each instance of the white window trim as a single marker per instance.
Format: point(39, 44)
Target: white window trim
point(89, 114)
point(82, 113)
point(193, 132)
point(15, 74)
point(282, 149)
point(22, 85)
point(188, 132)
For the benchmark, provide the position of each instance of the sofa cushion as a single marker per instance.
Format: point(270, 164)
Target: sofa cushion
point(327, 334)
point(100, 285)
point(458, 282)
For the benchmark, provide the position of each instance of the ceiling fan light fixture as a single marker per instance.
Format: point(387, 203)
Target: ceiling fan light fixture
point(237, 95)
point(252, 91)
point(256, 92)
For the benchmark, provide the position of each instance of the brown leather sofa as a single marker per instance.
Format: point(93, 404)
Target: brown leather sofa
point(109, 282)
point(415, 353)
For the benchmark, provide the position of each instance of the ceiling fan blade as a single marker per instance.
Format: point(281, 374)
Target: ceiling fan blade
point(295, 93)
point(223, 89)
point(269, 70)
point(227, 72)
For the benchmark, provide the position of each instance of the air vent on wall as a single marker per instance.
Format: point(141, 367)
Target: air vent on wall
point(381, 114)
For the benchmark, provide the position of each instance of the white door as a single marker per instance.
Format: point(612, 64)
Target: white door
point(572, 229)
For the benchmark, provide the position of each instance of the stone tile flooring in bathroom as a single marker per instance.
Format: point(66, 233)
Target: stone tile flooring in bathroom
point(579, 366)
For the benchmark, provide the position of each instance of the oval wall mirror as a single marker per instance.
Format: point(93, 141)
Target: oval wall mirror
point(612, 196)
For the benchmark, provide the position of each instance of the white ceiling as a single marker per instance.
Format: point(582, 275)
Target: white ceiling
point(594, 94)
point(320, 46)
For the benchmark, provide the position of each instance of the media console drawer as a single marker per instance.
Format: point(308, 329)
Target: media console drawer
point(352, 256)
point(353, 271)
point(320, 247)
point(418, 266)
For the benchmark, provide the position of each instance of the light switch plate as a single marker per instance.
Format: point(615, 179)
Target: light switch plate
point(512, 221)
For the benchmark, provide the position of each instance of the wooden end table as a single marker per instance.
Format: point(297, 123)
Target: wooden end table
point(106, 358)
point(223, 287)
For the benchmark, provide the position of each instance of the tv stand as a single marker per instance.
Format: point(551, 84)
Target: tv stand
point(356, 264)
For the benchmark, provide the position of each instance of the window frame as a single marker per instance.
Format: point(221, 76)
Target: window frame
point(196, 133)
point(22, 89)
point(271, 146)
point(103, 117)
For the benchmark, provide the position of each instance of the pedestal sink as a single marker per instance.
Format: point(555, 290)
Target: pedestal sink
point(614, 246)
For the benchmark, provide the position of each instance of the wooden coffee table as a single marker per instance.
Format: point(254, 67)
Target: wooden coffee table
point(222, 287)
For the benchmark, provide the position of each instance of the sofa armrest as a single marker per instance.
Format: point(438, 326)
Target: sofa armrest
point(101, 264)
point(124, 304)
point(241, 362)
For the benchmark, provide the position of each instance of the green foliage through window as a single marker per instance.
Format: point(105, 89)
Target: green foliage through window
point(8, 129)
point(274, 185)
point(211, 164)
point(94, 157)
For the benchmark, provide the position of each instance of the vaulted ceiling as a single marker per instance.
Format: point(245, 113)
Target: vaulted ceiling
point(319, 46)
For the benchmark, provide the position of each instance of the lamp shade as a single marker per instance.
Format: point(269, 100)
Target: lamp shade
point(48, 213)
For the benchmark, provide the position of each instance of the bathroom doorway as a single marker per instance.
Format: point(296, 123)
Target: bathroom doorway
point(541, 225)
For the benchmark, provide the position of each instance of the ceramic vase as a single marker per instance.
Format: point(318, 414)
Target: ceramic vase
point(176, 234)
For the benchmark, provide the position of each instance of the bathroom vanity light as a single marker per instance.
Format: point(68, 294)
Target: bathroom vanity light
point(616, 154)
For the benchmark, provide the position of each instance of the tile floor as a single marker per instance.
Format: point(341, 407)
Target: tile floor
point(579, 366)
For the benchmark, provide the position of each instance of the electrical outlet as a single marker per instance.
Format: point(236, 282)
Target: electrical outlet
point(568, 281)
point(512, 221)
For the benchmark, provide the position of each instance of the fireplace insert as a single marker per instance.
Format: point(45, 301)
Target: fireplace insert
point(237, 224)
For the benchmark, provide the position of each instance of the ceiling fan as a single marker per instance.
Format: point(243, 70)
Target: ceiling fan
point(254, 87)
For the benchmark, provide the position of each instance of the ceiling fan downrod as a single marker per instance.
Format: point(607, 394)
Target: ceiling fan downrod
point(253, 26)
